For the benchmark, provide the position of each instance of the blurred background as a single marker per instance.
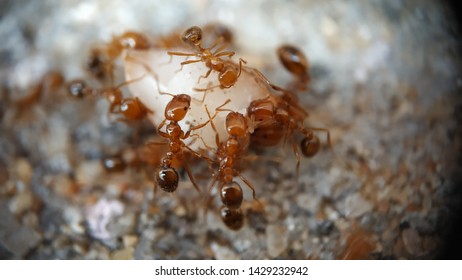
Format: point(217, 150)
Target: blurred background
point(386, 82)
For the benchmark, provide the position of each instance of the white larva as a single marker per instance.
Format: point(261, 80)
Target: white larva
point(142, 67)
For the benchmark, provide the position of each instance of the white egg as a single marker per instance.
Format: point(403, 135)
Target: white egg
point(146, 68)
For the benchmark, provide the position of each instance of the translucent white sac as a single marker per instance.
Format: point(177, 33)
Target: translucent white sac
point(142, 68)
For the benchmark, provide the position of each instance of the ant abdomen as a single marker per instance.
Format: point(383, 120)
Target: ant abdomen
point(133, 109)
point(232, 218)
point(231, 195)
point(268, 135)
point(228, 76)
point(310, 145)
point(293, 60)
point(167, 179)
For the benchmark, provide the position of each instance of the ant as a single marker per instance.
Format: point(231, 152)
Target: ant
point(100, 64)
point(227, 70)
point(130, 108)
point(167, 177)
point(296, 63)
point(228, 152)
point(274, 123)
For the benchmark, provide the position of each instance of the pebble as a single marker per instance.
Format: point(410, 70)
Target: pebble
point(355, 206)
point(223, 253)
point(276, 240)
point(99, 215)
point(413, 242)
point(21, 202)
point(123, 254)
point(23, 170)
point(309, 202)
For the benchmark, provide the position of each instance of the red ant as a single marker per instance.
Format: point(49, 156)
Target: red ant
point(167, 177)
point(228, 153)
point(227, 70)
point(274, 123)
point(130, 108)
point(100, 64)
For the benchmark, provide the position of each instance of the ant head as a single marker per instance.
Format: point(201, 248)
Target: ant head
point(177, 108)
point(261, 110)
point(192, 36)
point(293, 59)
point(236, 124)
point(310, 145)
point(132, 109)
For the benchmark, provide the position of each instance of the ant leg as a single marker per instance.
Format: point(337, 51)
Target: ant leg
point(219, 108)
point(186, 135)
point(201, 139)
point(227, 53)
point(198, 154)
point(217, 41)
point(217, 137)
point(254, 195)
point(190, 175)
point(162, 133)
point(190, 61)
point(240, 67)
point(205, 89)
point(297, 156)
point(180, 54)
point(205, 76)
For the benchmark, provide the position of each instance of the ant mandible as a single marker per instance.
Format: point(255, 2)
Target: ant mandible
point(228, 72)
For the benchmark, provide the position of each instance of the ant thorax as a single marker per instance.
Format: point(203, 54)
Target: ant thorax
point(147, 68)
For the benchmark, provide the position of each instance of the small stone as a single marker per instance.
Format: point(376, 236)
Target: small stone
point(356, 206)
point(88, 173)
point(308, 202)
point(273, 213)
point(99, 215)
point(276, 240)
point(130, 240)
point(23, 170)
point(124, 254)
point(413, 242)
point(21, 202)
point(223, 253)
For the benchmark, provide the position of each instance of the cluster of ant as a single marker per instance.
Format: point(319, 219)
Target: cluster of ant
point(267, 121)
